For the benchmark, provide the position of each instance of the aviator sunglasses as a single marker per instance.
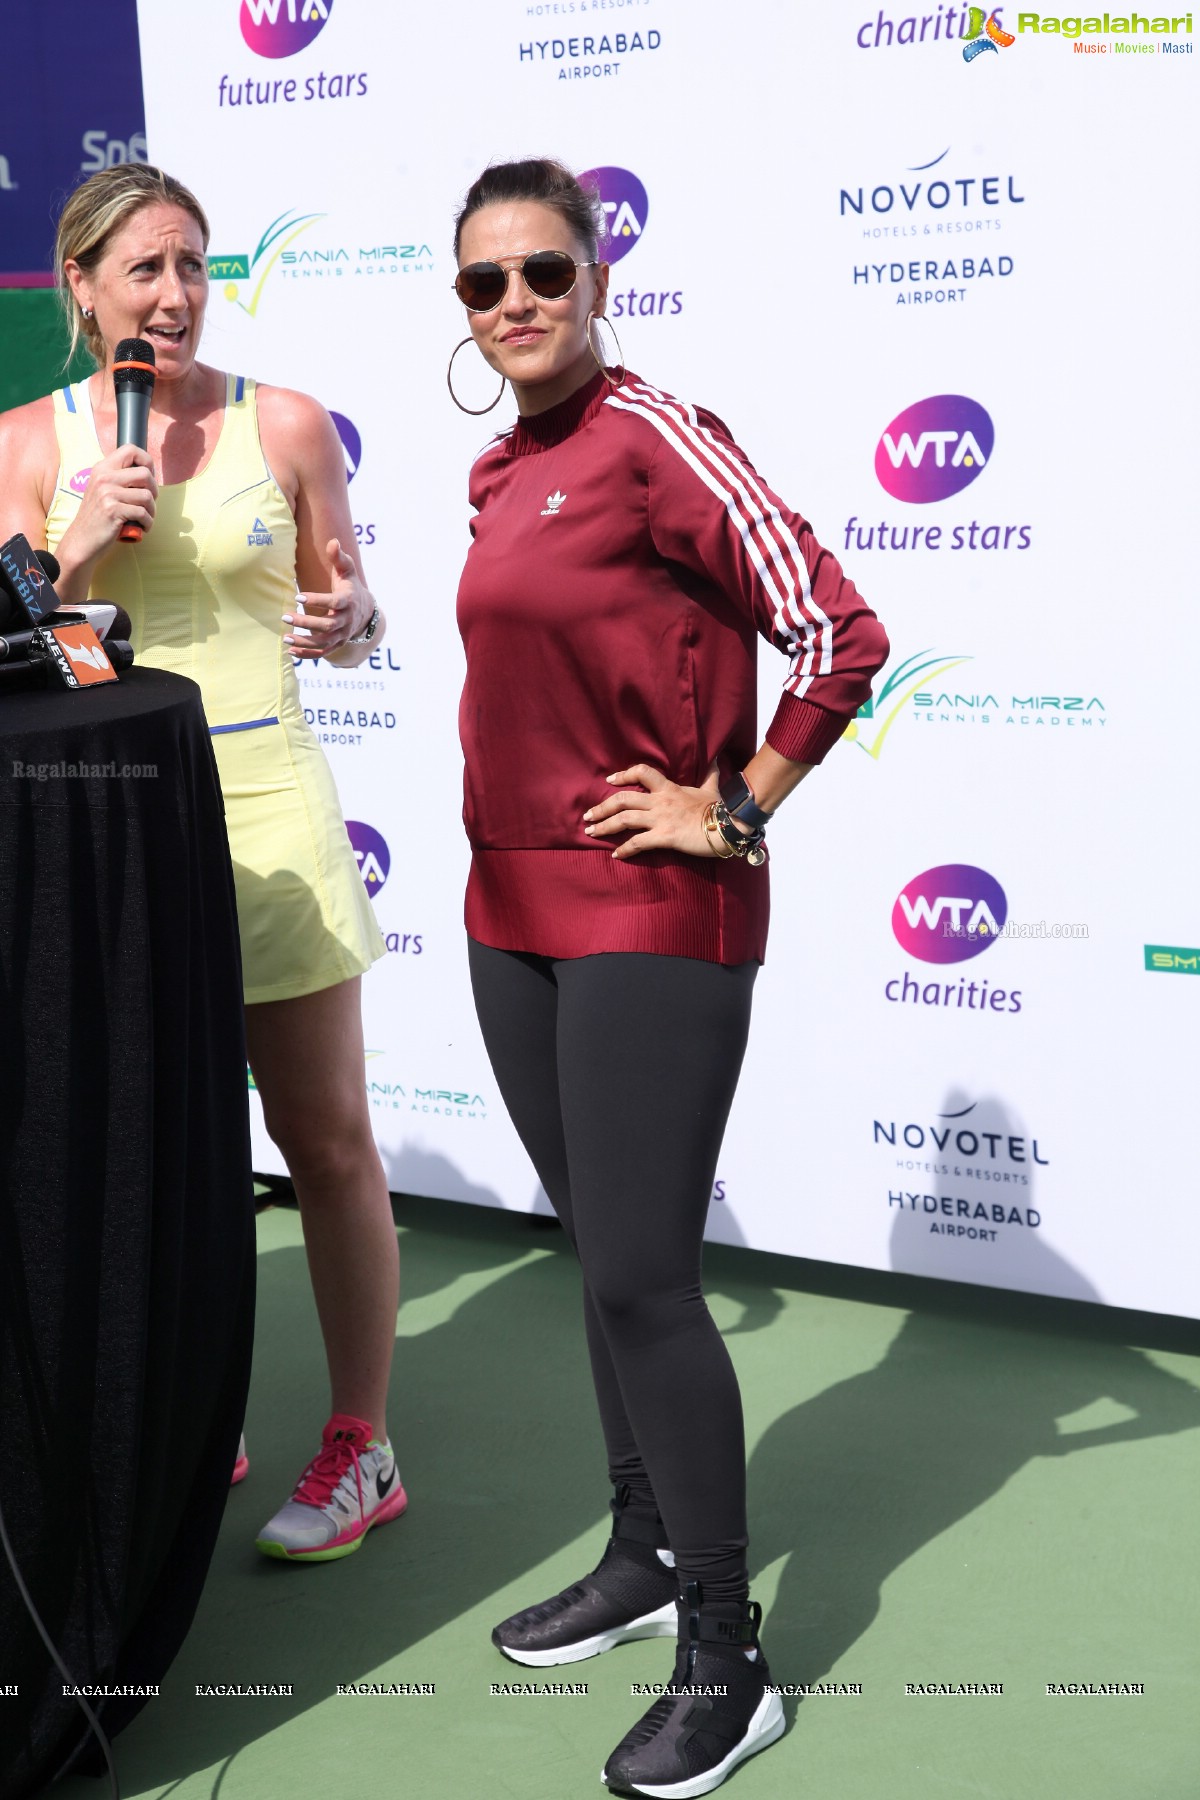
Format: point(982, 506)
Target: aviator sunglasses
point(550, 274)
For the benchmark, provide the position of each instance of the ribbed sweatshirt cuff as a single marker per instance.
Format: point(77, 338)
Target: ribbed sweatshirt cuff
point(803, 731)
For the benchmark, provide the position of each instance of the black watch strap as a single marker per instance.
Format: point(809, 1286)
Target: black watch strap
point(741, 804)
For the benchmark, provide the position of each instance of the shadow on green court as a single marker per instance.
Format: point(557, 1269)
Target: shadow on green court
point(499, 1446)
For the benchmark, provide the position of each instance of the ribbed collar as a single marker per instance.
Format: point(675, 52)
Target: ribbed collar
point(540, 431)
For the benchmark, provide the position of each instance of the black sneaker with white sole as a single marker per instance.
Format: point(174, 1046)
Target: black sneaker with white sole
point(630, 1594)
point(716, 1711)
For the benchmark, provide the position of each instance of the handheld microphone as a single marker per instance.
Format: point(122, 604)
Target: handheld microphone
point(106, 619)
point(27, 578)
point(133, 384)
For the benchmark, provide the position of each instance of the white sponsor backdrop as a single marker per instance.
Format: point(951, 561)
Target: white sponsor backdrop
point(793, 263)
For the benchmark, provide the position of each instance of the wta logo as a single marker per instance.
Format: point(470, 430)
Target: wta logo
point(934, 449)
point(281, 27)
point(372, 854)
point(351, 443)
point(626, 209)
point(949, 913)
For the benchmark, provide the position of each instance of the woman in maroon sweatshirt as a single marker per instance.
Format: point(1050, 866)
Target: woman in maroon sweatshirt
point(625, 556)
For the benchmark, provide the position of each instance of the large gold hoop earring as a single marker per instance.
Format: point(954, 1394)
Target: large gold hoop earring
point(475, 411)
point(595, 318)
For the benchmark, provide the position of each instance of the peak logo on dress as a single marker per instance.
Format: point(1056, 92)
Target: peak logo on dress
point(258, 536)
point(626, 209)
point(282, 27)
point(372, 854)
point(949, 913)
point(934, 449)
point(351, 443)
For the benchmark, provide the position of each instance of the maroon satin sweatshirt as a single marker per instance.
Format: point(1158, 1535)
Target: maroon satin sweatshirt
point(625, 555)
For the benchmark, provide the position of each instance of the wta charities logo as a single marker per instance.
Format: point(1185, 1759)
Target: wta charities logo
point(351, 443)
point(949, 913)
point(996, 37)
point(626, 208)
point(282, 27)
point(232, 270)
point(934, 449)
point(372, 854)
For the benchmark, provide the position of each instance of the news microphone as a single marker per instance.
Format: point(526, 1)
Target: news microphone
point(106, 619)
point(48, 670)
point(133, 384)
point(27, 578)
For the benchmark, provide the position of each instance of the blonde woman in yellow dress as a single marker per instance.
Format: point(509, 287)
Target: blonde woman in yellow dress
point(242, 499)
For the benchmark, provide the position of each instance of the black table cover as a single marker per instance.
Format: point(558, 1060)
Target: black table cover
point(126, 1201)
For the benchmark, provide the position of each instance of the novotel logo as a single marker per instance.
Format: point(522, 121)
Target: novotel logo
point(934, 449)
point(949, 913)
point(372, 854)
point(282, 27)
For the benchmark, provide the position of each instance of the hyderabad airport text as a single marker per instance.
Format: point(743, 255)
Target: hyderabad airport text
point(955, 1210)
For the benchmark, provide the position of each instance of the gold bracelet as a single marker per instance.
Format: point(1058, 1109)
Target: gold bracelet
point(720, 848)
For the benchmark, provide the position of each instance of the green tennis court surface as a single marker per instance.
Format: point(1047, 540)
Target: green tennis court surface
point(947, 1487)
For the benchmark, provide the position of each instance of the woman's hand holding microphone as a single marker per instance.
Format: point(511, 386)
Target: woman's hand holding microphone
point(121, 489)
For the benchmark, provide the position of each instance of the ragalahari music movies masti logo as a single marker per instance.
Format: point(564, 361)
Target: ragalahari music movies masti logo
point(949, 913)
point(282, 27)
point(371, 853)
point(984, 32)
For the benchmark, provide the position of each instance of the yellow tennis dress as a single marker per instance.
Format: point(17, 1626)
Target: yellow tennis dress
point(205, 589)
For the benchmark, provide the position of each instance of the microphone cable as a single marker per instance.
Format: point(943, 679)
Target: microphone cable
point(114, 1785)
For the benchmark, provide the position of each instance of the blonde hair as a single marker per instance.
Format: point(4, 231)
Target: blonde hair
point(96, 210)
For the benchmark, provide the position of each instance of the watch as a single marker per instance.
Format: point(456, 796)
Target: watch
point(368, 631)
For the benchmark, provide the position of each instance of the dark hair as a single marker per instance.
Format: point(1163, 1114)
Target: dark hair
point(542, 179)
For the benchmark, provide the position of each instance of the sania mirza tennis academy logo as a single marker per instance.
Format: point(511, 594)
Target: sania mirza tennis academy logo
point(282, 27)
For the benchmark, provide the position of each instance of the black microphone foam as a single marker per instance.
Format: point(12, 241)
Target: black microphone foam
point(50, 567)
point(25, 592)
point(133, 366)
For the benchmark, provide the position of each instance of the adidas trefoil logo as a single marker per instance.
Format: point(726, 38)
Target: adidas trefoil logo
point(260, 535)
point(553, 502)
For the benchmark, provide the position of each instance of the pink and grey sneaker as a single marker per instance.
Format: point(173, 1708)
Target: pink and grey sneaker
point(241, 1467)
point(352, 1485)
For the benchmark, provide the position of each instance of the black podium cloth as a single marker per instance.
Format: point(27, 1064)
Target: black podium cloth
point(126, 1201)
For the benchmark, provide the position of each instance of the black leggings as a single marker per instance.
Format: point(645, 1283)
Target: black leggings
point(618, 1072)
